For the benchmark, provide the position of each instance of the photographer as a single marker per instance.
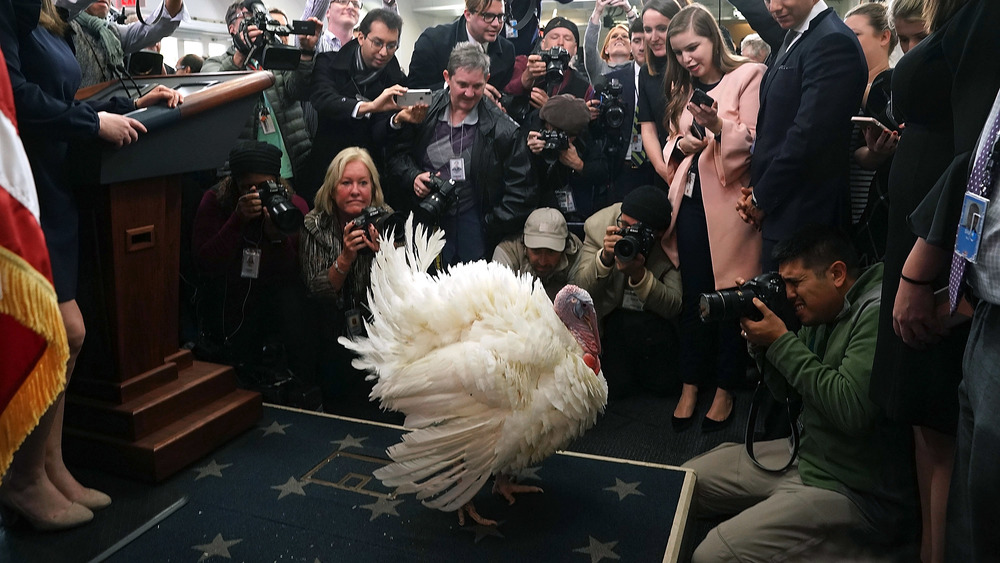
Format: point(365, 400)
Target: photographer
point(546, 250)
point(851, 486)
point(636, 290)
point(547, 73)
point(245, 245)
point(467, 139)
point(278, 118)
point(337, 248)
point(572, 170)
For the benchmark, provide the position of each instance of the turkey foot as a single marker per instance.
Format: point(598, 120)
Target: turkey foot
point(504, 486)
point(470, 509)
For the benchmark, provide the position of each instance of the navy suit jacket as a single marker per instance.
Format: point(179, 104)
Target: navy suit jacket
point(433, 48)
point(799, 169)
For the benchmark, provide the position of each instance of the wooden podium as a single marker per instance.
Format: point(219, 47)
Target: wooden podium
point(137, 405)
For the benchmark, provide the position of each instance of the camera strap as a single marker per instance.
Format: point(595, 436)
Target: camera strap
point(758, 397)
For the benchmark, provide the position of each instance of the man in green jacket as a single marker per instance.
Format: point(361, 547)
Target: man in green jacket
point(851, 486)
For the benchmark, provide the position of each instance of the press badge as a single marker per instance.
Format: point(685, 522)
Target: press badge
point(251, 263)
point(457, 167)
point(689, 185)
point(267, 122)
point(636, 144)
point(511, 29)
point(564, 198)
point(352, 321)
point(970, 227)
point(631, 301)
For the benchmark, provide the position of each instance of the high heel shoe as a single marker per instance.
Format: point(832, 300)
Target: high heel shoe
point(708, 425)
point(74, 516)
point(681, 424)
point(93, 499)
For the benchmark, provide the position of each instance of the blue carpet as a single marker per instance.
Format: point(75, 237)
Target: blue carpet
point(299, 488)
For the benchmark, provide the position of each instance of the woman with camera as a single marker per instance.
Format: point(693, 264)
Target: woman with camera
point(245, 246)
point(338, 245)
point(616, 50)
point(707, 156)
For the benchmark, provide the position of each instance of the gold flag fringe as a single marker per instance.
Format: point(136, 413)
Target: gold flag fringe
point(29, 298)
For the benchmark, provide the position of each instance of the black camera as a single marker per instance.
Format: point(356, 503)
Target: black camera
point(267, 49)
point(737, 302)
point(278, 203)
point(436, 204)
point(556, 62)
point(384, 221)
point(612, 108)
point(636, 239)
point(554, 140)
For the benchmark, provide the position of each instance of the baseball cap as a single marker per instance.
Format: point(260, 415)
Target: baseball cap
point(546, 228)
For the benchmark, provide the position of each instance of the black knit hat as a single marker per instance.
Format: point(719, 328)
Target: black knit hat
point(254, 157)
point(649, 205)
point(560, 21)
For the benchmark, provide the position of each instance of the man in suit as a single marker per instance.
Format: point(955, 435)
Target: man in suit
point(799, 168)
point(630, 167)
point(481, 24)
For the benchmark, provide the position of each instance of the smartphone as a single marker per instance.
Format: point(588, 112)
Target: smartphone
point(697, 130)
point(865, 120)
point(306, 27)
point(701, 98)
point(414, 96)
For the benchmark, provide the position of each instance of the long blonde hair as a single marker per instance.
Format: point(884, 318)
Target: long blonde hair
point(334, 172)
point(49, 19)
point(677, 82)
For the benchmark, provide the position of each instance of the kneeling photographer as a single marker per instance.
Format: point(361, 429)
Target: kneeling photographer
point(548, 72)
point(636, 290)
point(278, 117)
point(850, 490)
point(339, 240)
point(572, 169)
point(251, 301)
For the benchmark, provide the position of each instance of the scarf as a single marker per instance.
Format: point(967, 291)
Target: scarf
point(109, 42)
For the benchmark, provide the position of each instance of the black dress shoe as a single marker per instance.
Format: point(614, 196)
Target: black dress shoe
point(681, 424)
point(708, 425)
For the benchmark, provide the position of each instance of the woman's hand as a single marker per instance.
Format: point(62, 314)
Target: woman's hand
point(913, 317)
point(161, 94)
point(689, 144)
point(879, 141)
point(118, 129)
point(357, 239)
point(249, 206)
point(707, 117)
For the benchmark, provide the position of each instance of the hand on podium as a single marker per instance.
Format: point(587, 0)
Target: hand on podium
point(118, 129)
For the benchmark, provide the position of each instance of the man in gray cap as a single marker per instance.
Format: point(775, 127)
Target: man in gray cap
point(636, 290)
point(572, 169)
point(546, 250)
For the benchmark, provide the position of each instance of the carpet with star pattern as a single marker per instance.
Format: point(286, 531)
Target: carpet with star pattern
point(299, 488)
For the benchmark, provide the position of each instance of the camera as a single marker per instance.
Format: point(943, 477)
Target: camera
point(612, 108)
point(556, 62)
point(278, 203)
point(267, 49)
point(436, 204)
point(636, 239)
point(554, 140)
point(384, 221)
point(737, 302)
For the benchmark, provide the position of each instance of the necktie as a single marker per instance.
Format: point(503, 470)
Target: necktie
point(789, 37)
point(984, 173)
point(639, 156)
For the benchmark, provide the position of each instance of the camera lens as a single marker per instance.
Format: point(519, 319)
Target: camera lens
point(626, 249)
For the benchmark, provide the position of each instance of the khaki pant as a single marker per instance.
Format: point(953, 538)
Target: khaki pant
point(776, 517)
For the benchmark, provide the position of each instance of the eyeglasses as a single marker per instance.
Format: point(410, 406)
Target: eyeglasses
point(379, 44)
point(490, 18)
point(619, 223)
point(352, 3)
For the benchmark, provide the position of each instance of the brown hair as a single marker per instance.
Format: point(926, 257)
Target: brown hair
point(49, 19)
point(677, 82)
point(936, 12)
point(668, 9)
point(878, 18)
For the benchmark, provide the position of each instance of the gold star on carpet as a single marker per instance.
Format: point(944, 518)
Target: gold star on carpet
point(218, 547)
point(597, 550)
point(274, 428)
point(625, 489)
point(382, 506)
point(212, 469)
point(349, 442)
point(291, 486)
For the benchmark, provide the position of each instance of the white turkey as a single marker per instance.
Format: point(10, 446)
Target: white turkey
point(491, 375)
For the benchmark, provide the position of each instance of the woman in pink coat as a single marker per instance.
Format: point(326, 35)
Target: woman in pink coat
point(708, 159)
